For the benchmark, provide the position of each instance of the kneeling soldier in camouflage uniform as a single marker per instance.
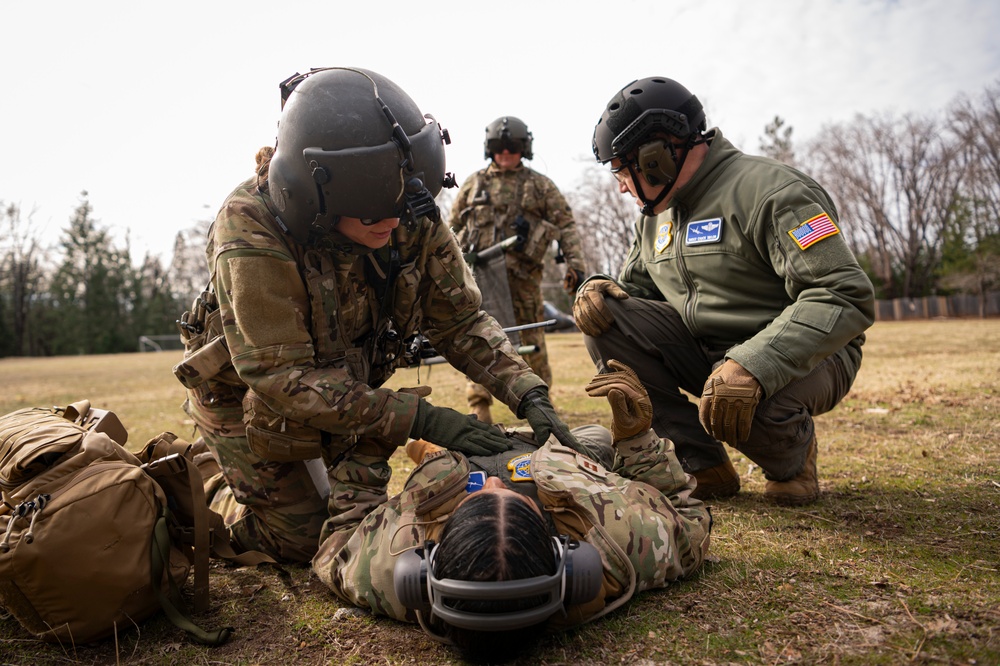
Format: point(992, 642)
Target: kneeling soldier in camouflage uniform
point(325, 267)
point(551, 538)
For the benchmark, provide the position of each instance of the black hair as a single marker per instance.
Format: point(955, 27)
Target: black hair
point(493, 537)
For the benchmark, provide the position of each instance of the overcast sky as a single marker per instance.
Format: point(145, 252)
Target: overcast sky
point(156, 109)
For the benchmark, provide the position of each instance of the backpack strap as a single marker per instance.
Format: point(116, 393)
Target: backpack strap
point(170, 461)
point(160, 554)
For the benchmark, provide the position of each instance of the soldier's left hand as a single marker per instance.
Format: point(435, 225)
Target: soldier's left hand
point(572, 280)
point(541, 416)
point(728, 402)
point(631, 409)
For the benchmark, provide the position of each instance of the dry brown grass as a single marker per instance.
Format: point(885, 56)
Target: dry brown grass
point(899, 562)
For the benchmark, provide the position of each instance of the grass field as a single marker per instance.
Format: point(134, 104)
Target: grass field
point(899, 561)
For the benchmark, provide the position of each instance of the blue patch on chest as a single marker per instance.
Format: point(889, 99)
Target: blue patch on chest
point(703, 231)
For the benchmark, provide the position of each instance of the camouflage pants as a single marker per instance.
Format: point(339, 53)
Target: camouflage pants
point(281, 508)
point(526, 295)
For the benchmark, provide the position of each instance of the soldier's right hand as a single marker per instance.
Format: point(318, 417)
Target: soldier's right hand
point(456, 431)
point(589, 310)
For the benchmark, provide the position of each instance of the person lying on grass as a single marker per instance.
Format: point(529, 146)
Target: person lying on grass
point(490, 552)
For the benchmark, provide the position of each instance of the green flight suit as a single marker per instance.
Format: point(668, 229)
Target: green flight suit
point(747, 263)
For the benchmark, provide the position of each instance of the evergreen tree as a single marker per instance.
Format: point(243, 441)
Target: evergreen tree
point(90, 296)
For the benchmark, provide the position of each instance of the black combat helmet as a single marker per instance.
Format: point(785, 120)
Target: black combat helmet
point(645, 108)
point(636, 126)
point(510, 133)
point(352, 143)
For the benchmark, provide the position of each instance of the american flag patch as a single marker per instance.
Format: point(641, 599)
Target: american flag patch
point(813, 230)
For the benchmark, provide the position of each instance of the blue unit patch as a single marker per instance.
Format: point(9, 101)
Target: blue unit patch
point(704, 231)
point(476, 481)
point(520, 468)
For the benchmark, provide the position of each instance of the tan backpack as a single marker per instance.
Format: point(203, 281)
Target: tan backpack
point(92, 540)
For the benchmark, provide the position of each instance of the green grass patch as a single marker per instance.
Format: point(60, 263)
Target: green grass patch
point(898, 562)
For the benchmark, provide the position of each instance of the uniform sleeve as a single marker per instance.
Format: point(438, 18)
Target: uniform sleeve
point(456, 219)
point(471, 340)
point(639, 514)
point(357, 560)
point(264, 308)
point(560, 214)
point(833, 299)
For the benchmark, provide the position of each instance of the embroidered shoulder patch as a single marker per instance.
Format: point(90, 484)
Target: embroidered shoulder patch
point(520, 468)
point(813, 230)
point(664, 234)
point(703, 231)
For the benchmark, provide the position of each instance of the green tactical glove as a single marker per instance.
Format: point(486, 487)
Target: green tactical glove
point(728, 402)
point(572, 280)
point(591, 314)
point(456, 431)
point(631, 409)
point(541, 415)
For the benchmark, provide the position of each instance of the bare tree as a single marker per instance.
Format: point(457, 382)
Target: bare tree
point(978, 127)
point(605, 220)
point(189, 267)
point(20, 274)
point(897, 184)
point(972, 263)
point(777, 141)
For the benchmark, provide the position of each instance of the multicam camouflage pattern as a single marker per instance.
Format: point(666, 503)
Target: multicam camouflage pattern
point(638, 514)
point(483, 214)
point(489, 202)
point(307, 342)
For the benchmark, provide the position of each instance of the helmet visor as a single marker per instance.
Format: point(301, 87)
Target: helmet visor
point(497, 146)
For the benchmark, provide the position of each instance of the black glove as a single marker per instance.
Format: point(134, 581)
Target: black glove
point(456, 431)
point(541, 416)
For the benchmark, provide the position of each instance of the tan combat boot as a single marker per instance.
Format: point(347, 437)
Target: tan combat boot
point(716, 482)
point(800, 490)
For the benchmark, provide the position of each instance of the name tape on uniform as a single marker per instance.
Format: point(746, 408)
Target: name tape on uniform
point(704, 231)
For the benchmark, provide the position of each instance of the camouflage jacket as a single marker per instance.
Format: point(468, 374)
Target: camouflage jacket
point(491, 199)
point(638, 514)
point(308, 329)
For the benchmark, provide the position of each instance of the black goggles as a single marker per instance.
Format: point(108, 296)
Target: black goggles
point(496, 146)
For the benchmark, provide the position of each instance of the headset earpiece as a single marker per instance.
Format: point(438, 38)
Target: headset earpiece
point(656, 163)
point(409, 579)
point(584, 572)
point(577, 580)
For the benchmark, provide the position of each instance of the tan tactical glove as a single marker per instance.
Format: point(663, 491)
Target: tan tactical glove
point(591, 314)
point(572, 280)
point(728, 402)
point(631, 409)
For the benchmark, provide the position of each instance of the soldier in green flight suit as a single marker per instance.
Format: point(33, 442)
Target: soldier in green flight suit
point(551, 537)
point(325, 266)
point(739, 288)
point(505, 199)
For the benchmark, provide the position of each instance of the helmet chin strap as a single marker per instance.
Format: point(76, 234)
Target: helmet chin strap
point(649, 205)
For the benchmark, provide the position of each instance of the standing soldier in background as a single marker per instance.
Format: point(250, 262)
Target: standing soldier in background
point(507, 199)
point(325, 265)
